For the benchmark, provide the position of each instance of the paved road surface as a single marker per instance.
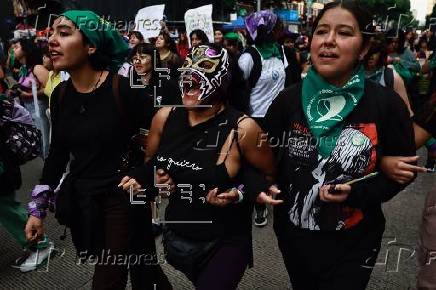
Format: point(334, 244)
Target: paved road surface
point(395, 270)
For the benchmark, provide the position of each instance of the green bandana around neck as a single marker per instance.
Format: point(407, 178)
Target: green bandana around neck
point(101, 34)
point(326, 106)
point(269, 49)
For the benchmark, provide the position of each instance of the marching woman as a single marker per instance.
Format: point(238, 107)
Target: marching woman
point(200, 151)
point(337, 126)
point(94, 116)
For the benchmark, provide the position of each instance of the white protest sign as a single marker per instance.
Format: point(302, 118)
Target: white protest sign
point(147, 20)
point(199, 18)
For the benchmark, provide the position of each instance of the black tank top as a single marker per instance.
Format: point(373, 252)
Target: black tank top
point(189, 154)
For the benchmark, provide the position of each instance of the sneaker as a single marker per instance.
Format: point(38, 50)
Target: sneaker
point(430, 163)
point(36, 258)
point(260, 220)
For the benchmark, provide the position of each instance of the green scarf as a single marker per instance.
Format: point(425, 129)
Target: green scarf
point(23, 71)
point(11, 59)
point(269, 49)
point(404, 72)
point(326, 106)
point(101, 34)
point(232, 36)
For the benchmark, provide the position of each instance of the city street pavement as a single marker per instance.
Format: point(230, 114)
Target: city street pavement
point(395, 267)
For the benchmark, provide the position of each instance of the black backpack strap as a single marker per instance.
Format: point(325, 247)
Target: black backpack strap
point(235, 137)
point(389, 77)
point(118, 101)
point(257, 66)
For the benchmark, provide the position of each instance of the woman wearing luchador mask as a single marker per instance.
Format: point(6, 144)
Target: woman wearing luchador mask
point(203, 152)
point(339, 126)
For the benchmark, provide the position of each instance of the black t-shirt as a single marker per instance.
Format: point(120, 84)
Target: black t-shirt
point(378, 126)
point(92, 128)
point(189, 155)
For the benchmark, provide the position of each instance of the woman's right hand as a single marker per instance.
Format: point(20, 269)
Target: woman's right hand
point(34, 229)
point(127, 182)
point(164, 182)
point(399, 169)
point(269, 197)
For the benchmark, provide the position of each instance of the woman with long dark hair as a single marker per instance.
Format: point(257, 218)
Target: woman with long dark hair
point(145, 58)
point(168, 53)
point(94, 116)
point(198, 37)
point(338, 126)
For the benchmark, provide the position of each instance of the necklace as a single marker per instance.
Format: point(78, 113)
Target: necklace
point(82, 109)
point(98, 82)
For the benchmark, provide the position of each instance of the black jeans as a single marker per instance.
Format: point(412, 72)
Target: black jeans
point(329, 260)
point(127, 244)
point(227, 266)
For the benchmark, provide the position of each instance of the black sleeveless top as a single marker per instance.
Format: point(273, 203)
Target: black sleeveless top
point(189, 154)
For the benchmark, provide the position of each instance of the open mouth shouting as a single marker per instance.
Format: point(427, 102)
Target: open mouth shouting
point(192, 86)
point(327, 56)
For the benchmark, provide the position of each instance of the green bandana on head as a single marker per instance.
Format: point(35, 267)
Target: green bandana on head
point(101, 34)
point(232, 36)
point(326, 106)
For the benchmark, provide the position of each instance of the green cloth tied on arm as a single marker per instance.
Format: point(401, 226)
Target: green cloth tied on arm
point(326, 106)
point(101, 34)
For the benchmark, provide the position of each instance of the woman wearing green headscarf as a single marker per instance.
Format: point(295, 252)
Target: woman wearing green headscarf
point(330, 133)
point(94, 116)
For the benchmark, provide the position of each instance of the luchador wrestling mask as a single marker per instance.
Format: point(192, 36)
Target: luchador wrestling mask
point(206, 69)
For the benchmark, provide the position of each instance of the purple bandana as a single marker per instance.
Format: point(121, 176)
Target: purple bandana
point(254, 20)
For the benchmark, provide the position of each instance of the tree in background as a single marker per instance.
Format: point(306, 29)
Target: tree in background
point(432, 15)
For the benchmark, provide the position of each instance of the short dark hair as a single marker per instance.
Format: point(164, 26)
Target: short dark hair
point(377, 47)
point(148, 48)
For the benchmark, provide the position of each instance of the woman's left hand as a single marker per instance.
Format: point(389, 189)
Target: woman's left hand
point(334, 193)
point(222, 199)
point(128, 182)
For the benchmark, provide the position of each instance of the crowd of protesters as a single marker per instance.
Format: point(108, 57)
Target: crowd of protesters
point(321, 126)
